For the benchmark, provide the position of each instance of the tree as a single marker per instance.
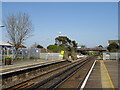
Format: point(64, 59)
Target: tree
point(39, 46)
point(62, 41)
point(84, 52)
point(54, 48)
point(74, 45)
point(66, 43)
point(113, 47)
point(100, 46)
point(83, 46)
point(69, 46)
point(19, 27)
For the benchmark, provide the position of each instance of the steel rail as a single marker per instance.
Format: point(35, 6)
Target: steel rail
point(58, 83)
point(50, 71)
point(57, 75)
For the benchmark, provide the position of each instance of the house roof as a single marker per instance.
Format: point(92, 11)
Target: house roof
point(22, 46)
point(2, 43)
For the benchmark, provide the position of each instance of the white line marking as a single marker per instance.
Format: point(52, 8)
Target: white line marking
point(85, 81)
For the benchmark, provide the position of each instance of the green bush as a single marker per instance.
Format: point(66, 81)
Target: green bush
point(113, 47)
point(54, 48)
point(8, 58)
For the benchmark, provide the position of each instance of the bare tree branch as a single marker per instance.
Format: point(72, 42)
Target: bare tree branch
point(18, 27)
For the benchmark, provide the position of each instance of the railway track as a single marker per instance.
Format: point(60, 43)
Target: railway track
point(54, 78)
point(46, 74)
point(76, 79)
point(77, 70)
point(28, 74)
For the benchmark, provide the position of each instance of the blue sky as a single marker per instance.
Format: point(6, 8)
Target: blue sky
point(89, 23)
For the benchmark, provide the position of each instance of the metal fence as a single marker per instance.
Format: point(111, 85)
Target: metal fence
point(111, 56)
point(31, 53)
point(50, 56)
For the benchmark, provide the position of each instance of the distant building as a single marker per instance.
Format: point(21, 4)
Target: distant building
point(5, 44)
point(7, 49)
point(111, 56)
point(116, 41)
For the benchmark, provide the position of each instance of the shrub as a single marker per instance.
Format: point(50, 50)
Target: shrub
point(8, 58)
point(54, 48)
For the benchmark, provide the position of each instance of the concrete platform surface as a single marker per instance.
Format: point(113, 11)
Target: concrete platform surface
point(26, 64)
point(94, 80)
point(104, 75)
point(112, 68)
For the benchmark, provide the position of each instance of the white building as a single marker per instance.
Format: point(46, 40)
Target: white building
point(5, 49)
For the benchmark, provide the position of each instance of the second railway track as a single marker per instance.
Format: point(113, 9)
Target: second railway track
point(76, 71)
point(46, 74)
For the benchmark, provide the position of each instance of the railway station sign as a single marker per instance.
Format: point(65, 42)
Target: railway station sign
point(106, 56)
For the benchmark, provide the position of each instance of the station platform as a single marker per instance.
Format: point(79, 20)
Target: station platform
point(25, 64)
point(104, 75)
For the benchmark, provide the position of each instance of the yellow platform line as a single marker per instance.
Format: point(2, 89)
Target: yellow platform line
point(29, 64)
point(109, 77)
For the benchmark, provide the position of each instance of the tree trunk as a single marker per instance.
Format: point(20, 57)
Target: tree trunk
point(16, 54)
